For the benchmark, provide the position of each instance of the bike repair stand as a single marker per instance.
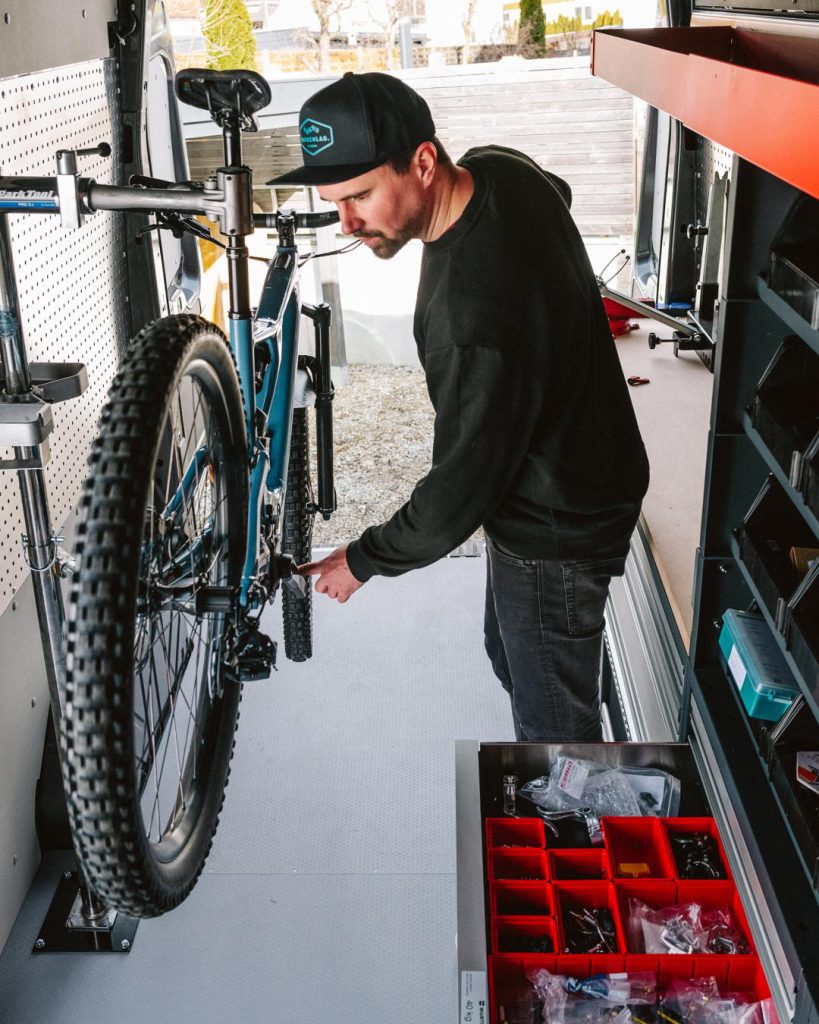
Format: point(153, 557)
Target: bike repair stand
point(76, 920)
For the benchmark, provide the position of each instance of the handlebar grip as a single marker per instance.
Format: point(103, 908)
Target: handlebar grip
point(322, 219)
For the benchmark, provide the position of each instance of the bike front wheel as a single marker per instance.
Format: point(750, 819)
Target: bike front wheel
point(150, 714)
point(297, 534)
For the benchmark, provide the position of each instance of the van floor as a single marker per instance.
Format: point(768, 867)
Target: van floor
point(330, 894)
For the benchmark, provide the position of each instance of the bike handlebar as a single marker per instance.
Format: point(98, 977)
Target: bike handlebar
point(321, 219)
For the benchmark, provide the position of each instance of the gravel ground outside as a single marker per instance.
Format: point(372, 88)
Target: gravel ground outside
point(382, 431)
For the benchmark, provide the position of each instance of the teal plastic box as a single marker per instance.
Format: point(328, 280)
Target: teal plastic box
point(757, 665)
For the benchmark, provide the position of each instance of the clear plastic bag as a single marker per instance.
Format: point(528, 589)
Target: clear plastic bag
point(683, 928)
point(599, 999)
point(574, 783)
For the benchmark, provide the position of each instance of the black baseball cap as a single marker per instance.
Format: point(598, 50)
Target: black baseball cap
point(356, 124)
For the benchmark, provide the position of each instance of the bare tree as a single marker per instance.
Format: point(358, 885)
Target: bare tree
point(327, 11)
point(387, 16)
point(466, 24)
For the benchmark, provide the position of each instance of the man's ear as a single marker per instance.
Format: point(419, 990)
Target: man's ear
point(426, 161)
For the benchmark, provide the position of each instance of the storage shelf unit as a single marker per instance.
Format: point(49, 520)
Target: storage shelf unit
point(754, 93)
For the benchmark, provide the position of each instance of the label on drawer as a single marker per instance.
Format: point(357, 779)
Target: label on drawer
point(474, 1004)
point(737, 667)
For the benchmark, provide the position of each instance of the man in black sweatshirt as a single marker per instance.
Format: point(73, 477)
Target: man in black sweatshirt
point(535, 437)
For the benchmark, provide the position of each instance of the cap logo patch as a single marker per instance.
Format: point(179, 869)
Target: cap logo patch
point(315, 136)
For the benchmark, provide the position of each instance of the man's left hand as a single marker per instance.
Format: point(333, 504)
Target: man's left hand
point(334, 576)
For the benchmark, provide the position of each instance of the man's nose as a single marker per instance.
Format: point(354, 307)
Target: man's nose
point(350, 222)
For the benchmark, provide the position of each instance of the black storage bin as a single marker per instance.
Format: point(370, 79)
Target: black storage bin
point(794, 270)
point(801, 805)
point(772, 527)
point(810, 485)
point(802, 631)
point(785, 409)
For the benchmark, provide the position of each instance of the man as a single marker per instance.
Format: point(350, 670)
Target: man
point(535, 437)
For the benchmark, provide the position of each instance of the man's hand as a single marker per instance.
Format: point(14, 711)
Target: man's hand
point(334, 576)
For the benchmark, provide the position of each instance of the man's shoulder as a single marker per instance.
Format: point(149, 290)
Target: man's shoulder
point(503, 165)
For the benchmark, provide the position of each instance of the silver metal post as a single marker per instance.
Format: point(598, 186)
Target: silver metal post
point(34, 497)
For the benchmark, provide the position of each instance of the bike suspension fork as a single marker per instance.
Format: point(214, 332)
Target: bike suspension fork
point(320, 315)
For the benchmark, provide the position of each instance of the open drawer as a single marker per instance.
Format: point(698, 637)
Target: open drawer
point(516, 893)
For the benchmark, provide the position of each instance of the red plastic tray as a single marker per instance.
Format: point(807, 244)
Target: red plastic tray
point(509, 932)
point(508, 982)
point(676, 826)
point(514, 832)
point(515, 899)
point(595, 895)
point(517, 865)
point(637, 841)
point(711, 895)
point(578, 865)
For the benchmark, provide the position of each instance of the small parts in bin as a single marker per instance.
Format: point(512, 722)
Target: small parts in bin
point(530, 944)
point(685, 928)
point(697, 856)
point(589, 930)
point(599, 999)
point(632, 997)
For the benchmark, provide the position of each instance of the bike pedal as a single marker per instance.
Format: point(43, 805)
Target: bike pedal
point(253, 657)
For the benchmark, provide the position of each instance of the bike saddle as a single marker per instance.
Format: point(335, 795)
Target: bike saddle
point(229, 96)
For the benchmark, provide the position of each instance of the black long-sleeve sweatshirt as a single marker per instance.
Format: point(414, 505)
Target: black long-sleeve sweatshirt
point(535, 436)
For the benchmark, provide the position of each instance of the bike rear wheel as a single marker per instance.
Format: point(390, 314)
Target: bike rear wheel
point(297, 533)
point(150, 716)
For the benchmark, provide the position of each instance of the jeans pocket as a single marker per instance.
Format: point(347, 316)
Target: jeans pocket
point(586, 588)
point(506, 556)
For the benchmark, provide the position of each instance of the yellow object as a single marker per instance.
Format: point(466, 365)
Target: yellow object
point(802, 559)
point(634, 870)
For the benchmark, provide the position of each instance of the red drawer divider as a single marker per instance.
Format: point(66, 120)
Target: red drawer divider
point(514, 832)
point(509, 934)
point(520, 899)
point(637, 841)
point(578, 865)
point(520, 865)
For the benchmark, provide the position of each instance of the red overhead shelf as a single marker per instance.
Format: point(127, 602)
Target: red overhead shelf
point(753, 92)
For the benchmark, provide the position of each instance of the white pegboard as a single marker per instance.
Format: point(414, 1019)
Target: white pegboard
point(71, 283)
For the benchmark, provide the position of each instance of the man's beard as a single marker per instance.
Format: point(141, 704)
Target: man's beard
point(388, 245)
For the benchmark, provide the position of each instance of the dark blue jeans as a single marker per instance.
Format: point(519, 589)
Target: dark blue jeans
point(543, 632)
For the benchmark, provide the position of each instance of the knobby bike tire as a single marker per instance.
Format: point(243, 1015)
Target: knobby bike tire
point(297, 531)
point(145, 689)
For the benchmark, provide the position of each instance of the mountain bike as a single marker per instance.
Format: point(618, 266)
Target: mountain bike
point(197, 508)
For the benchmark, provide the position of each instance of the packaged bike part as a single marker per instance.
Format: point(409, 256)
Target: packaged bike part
point(599, 999)
point(675, 929)
point(722, 934)
point(612, 792)
point(684, 928)
point(696, 856)
point(761, 1012)
point(694, 1001)
point(699, 1001)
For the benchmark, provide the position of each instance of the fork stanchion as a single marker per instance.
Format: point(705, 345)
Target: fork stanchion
point(321, 316)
